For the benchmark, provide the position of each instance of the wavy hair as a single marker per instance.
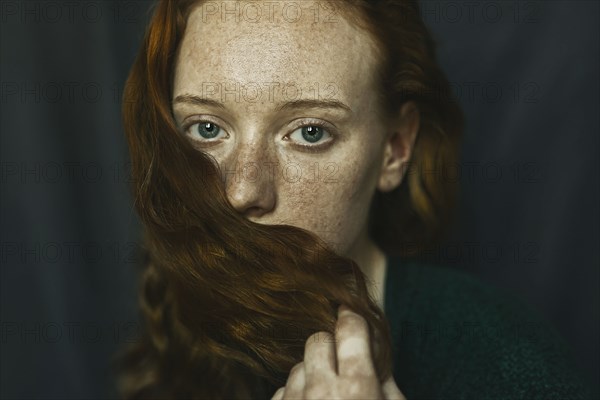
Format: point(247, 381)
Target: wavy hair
point(227, 303)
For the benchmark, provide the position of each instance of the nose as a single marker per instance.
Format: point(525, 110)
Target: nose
point(249, 183)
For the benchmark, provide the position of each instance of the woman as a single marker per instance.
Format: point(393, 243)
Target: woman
point(271, 145)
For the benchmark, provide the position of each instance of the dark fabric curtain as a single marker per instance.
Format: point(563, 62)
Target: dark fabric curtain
point(525, 72)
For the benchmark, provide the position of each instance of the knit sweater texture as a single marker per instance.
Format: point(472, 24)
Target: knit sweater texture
point(456, 337)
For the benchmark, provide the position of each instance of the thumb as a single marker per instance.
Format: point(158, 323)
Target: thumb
point(391, 391)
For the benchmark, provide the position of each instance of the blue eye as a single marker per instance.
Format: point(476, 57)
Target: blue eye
point(206, 130)
point(310, 134)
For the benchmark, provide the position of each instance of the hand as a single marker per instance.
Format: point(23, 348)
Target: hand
point(316, 377)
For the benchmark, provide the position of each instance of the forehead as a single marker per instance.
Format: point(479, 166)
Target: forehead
point(258, 45)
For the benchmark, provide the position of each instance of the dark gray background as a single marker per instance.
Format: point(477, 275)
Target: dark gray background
point(525, 72)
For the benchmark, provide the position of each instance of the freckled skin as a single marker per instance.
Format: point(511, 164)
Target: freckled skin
point(335, 206)
point(330, 61)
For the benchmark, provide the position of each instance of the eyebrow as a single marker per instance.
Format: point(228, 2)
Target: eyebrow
point(197, 100)
point(290, 105)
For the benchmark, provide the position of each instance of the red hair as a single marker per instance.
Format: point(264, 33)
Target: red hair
point(228, 303)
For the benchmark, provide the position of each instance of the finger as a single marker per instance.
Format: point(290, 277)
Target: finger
point(294, 387)
point(319, 357)
point(353, 349)
point(391, 390)
point(278, 394)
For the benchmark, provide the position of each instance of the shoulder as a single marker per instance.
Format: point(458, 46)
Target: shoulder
point(450, 295)
point(472, 338)
point(443, 294)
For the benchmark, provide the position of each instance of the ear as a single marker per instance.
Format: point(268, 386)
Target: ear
point(398, 147)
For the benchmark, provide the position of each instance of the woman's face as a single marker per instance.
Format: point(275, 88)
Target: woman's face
point(285, 102)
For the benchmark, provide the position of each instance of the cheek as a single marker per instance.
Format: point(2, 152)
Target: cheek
point(331, 200)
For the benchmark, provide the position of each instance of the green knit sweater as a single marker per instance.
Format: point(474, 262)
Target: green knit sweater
point(454, 337)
